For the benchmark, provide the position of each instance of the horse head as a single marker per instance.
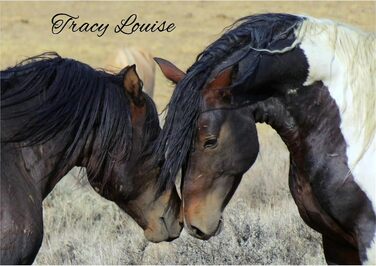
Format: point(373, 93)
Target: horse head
point(219, 155)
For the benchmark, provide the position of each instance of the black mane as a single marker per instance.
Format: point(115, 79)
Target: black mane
point(48, 96)
point(240, 40)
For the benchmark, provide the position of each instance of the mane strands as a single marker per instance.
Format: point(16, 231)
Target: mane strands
point(353, 52)
point(49, 97)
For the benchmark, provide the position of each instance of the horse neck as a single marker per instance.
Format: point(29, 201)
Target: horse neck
point(115, 175)
point(307, 120)
point(274, 113)
point(45, 163)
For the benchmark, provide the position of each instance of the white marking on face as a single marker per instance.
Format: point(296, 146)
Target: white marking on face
point(324, 65)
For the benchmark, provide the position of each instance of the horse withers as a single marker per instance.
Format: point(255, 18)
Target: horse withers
point(313, 82)
point(58, 113)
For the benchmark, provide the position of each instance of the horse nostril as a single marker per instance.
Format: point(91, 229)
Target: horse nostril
point(198, 232)
point(181, 224)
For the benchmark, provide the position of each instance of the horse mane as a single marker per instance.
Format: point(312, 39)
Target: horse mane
point(355, 49)
point(256, 34)
point(47, 96)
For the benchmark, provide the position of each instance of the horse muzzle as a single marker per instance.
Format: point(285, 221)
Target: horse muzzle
point(204, 233)
point(165, 231)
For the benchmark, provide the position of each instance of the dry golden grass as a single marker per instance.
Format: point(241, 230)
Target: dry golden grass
point(262, 225)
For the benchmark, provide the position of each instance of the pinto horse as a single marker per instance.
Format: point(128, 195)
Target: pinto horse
point(58, 113)
point(313, 81)
point(145, 65)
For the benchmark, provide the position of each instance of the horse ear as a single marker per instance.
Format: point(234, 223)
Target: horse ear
point(220, 83)
point(170, 70)
point(133, 85)
point(222, 80)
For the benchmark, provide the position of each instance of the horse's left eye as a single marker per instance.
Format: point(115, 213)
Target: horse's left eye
point(211, 143)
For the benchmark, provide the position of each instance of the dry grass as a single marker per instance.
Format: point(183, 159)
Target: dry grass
point(262, 225)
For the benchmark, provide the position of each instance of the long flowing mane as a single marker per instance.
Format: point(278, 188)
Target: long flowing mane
point(355, 50)
point(48, 96)
point(249, 34)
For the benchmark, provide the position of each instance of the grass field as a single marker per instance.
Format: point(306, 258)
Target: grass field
point(262, 224)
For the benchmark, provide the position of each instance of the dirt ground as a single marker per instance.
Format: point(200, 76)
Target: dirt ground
point(262, 225)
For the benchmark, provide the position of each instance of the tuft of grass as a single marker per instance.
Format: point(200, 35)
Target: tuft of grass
point(261, 224)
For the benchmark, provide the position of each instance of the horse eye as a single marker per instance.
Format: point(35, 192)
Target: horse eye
point(211, 143)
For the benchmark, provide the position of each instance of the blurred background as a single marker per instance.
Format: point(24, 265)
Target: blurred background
point(262, 224)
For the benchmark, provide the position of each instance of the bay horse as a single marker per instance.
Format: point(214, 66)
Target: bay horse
point(140, 57)
point(57, 113)
point(313, 81)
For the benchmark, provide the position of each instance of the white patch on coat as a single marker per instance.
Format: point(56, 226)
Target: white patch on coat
point(344, 60)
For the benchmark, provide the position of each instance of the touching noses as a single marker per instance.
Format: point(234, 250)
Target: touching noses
point(173, 225)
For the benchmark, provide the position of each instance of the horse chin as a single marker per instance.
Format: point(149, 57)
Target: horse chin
point(154, 236)
point(157, 238)
point(162, 233)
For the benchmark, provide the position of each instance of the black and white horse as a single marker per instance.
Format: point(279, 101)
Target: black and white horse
point(313, 81)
